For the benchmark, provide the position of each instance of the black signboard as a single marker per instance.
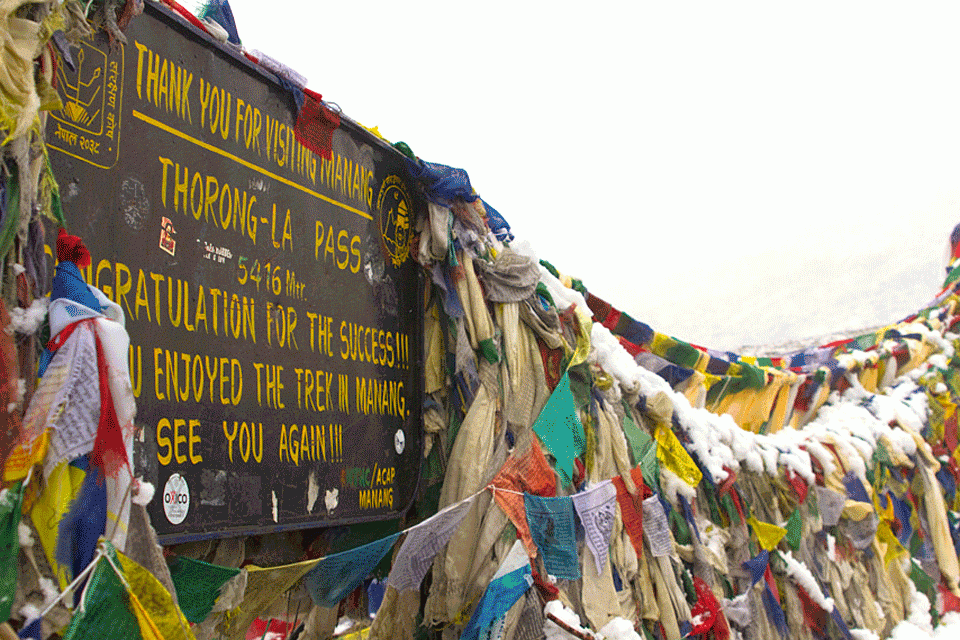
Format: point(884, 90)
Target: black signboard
point(271, 301)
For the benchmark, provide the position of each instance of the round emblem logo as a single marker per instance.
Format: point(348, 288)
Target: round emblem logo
point(176, 499)
point(395, 211)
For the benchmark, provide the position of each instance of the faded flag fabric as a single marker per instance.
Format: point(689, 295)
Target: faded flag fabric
point(508, 585)
point(554, 532)
point(337, 575)
point(656, 527)
point(422, 544)
point(597, 510)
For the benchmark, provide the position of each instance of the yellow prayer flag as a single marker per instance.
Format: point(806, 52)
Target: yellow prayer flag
point(264, 586)
point(661, 343)
point(62, 486)
point(769, 535)
point(25, 455)
point(583, 338)
point(856, 510)
point(148, 629)
point(894, 548)
point(674, 457)
point(886, 514)
point(155, 602)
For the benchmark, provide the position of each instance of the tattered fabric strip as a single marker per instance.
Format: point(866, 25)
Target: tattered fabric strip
point(423, 542)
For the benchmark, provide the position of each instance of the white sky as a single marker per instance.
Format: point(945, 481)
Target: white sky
point(645, 147)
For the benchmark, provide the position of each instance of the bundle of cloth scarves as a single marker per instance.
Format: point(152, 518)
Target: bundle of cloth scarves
point(78, 428)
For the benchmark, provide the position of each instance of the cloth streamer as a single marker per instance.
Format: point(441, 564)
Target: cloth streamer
point(443, 184)
point(759, 568)
point(831, 505)
point(220, 12)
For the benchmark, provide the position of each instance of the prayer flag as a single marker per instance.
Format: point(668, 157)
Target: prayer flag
point(198, 585)
point(596, 509)
point(673, 456)
point(422, 543)
point(553, 530)
point(560, 430)
point(335, 576)
point(508, 585)
point(10, 501)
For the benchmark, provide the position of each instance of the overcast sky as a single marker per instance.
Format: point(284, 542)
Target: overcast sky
point(673, 154)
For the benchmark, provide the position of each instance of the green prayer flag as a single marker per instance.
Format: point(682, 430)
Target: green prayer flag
point(559, 429)
point(10, 503)
point(925, 585)
point(198, 585)
point(636, 437)
point(731, 509)
point(682, 354)
point(794, 530)
point(106, 612)
point(681, 530)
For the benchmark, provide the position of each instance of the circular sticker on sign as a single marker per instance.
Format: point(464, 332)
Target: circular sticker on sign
point(176, 499)
point(399, 441)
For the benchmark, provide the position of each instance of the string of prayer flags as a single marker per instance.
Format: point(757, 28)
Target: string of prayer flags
point(596, 508)
point(509, 584)
point(525, 470)
point(337, 575)
point(553, 530)
point(124, 600)
point(422, 544)
point(153, 604)
point(264, 586)
point(559, 429)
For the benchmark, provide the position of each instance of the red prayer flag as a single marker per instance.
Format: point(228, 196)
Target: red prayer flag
point(631, 507)
point(528, 472)
point(316, 124)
